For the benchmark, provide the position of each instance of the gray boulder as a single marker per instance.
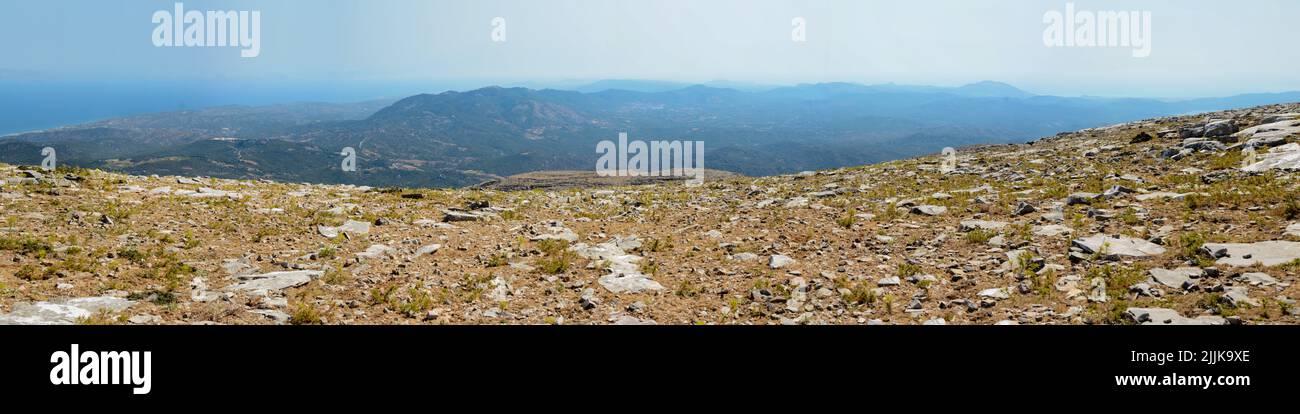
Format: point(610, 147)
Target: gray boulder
point(62, 312)
point(275, 280)
point(1162, 316)
point(1118, 246)
point(1265, 253)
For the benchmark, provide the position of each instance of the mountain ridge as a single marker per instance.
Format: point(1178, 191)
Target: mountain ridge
point(462, 138)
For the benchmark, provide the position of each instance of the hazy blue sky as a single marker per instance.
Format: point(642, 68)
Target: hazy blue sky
point(1199, 47)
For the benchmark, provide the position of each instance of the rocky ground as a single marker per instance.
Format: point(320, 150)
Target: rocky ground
point(1185, 220)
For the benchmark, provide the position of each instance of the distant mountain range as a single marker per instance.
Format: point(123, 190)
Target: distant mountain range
point(463, 138)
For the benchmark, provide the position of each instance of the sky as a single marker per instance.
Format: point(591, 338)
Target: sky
point(1198, 47)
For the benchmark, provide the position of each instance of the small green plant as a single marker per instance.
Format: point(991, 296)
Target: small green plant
point(190, 241)
point(1215, 303)
point(1289, 209)
point(687, 289)
point(1118, 278)
point(908, 269)
point(496, 260)
point(1130, 217)
point(552, 246)
point(305, 314)
point(263, 233)
point(554, 264)
point(1028, 263)
point(861, 294)
point(979, 236)
point(657, 245)
point(1044, 284)
point(470, 289)
point(419, 302)
point(27, 246)
point(30, 273)
point(103, 317)
point(335, 276)
point(382, 295)
point(327, 252)
point(1019, 233)
point(649, 267)
point(1189, 248)
point(131, 255)
point(557, 257)
point(1290, 266)
point(848, 219)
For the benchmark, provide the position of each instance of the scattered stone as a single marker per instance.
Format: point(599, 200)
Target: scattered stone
point(968, 225)
point(1160, 195)
point(624, 276)
point(275, 281)
point(1293, 230)
point(1051, 230)
point(62, 312)
point(1178, 278)
point(1117, 191)
point(1097, 290)
point(797, 202)
point(1081, 198)
point(500, 290)
point(589, 300)
point(1140, 138)
point(779, 261)
point(556, 231)
point(995, 293)
point(454, 216)
point(1236, 296)
point(1023, 208)
point(350, 227)
point(631, 320)
point(1256, 279)
point(1118, 246)
point(279, 317)
point(145, 320)
point(1286, 158)
point(889, 281)
point(1144, 289)
point(426, 250)
point(1265, 253)
point(1162, 316)
point(205, 192)
point(929, 210)
point(1220, 128)
point(377, 252)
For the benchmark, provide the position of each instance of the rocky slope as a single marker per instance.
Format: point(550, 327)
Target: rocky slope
point(1184, 220)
